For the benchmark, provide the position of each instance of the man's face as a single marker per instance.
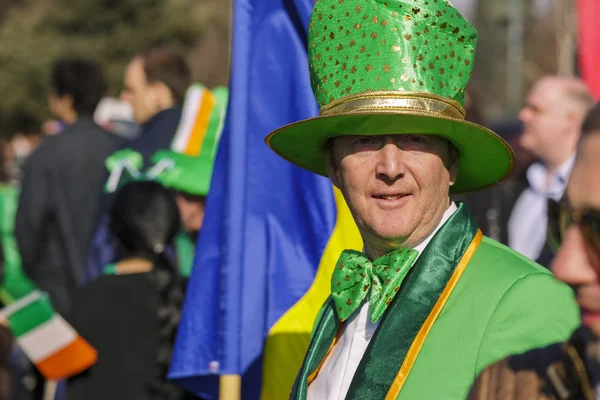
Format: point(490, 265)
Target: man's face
point(191, 211)
point(545, 120)
point(142, 95)
point(395, 185)
point(577, 263)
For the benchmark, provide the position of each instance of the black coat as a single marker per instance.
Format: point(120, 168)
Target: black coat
point(59, 197)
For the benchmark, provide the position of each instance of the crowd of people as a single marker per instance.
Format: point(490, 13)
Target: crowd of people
point(107, 227)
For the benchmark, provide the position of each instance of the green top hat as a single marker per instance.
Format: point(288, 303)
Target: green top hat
point(381, 67)
point(181, 172)
point(188, 165)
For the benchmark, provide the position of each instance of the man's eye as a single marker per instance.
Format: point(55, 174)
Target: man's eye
point(364, 140)
point(413, 139)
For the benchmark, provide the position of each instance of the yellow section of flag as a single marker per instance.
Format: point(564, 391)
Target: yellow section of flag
point(288, 339)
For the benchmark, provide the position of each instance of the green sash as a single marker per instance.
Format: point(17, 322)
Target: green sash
point(403, 319)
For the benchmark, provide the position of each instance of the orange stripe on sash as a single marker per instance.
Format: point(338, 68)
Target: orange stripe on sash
point(313, 376)
point(200, 125)
point(417, 344)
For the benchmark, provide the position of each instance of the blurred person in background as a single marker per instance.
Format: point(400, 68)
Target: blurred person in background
point(552, 117)
point(565, 370)
point(491, 207)
point(26, 384)
point(154, 83)
point(186, 168)
point(25, 136)
point(62, 182)
point(130, 315)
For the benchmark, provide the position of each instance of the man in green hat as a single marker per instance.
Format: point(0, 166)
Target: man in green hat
point(431, 301)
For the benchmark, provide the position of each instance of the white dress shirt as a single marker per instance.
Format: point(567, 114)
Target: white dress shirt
point(335, 376)
point(528, 221)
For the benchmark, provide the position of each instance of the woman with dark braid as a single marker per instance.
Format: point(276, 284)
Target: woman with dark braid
point(130, 314)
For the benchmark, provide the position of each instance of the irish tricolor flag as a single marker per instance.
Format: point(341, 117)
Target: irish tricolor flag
point(47, 339)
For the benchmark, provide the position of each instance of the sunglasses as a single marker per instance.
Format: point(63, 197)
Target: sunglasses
point(561, 216)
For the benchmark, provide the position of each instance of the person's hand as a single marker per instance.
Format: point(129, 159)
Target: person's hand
point(3, 322)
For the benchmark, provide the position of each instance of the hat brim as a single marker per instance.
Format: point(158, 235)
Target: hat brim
point(485, 159)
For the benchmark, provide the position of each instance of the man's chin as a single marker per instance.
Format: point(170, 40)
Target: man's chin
point(395, 237)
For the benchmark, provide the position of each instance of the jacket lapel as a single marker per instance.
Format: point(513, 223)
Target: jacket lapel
point(411, 307)
point(320, 344)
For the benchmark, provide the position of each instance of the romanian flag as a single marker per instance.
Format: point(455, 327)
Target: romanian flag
point(272, 232)
point(49, 342)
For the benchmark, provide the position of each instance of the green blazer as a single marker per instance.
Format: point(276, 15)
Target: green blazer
point(502, 303)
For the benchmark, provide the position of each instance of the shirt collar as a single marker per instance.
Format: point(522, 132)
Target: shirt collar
point(537, 174)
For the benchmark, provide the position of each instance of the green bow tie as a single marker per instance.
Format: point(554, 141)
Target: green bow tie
point(354, 275)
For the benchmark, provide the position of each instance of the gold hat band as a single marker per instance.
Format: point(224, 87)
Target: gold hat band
point(395, 101)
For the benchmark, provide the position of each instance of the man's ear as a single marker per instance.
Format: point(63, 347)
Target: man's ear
point(164, 96)
point(333, 170)
point(453, 168)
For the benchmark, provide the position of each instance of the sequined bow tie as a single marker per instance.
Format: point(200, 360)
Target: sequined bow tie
point(354, 275)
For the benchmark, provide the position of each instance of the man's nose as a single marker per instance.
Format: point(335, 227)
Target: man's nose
point(390, 164)
point(573, 264)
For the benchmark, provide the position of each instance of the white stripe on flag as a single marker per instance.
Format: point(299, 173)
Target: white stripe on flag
point(20, 304)
point(47, 339)
point(193, 100)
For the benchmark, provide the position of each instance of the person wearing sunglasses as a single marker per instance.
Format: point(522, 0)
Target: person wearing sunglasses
point(568, 370)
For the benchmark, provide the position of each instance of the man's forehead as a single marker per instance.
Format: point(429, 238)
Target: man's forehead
point(542, 94)
point(134, 71)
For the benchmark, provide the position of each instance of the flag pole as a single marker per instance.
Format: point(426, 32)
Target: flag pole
point(230, 387)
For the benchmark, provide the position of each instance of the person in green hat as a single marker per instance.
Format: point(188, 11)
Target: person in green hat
point(429, 302)
point(186, 168)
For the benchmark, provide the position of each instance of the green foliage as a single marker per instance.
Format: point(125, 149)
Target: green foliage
point(108, 31)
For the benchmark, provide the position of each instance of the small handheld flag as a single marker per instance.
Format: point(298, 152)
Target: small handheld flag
point(49, 342)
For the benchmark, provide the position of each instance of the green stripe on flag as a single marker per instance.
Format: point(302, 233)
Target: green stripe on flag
point(30, 317)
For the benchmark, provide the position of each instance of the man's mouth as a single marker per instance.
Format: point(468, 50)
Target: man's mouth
point(390, 196)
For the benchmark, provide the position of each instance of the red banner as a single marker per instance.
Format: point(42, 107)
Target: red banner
point(589, 43)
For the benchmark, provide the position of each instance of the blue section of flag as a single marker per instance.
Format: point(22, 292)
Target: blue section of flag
point(267, 221)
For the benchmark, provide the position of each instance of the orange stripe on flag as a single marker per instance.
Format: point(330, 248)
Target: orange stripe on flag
point(71, 360)
point(201, 125)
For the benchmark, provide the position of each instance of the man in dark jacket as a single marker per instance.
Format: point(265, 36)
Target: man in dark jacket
point(565, 370)
point(62, 182)
point(155, 83)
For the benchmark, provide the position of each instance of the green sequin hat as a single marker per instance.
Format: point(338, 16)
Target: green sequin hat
point(381, 67)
